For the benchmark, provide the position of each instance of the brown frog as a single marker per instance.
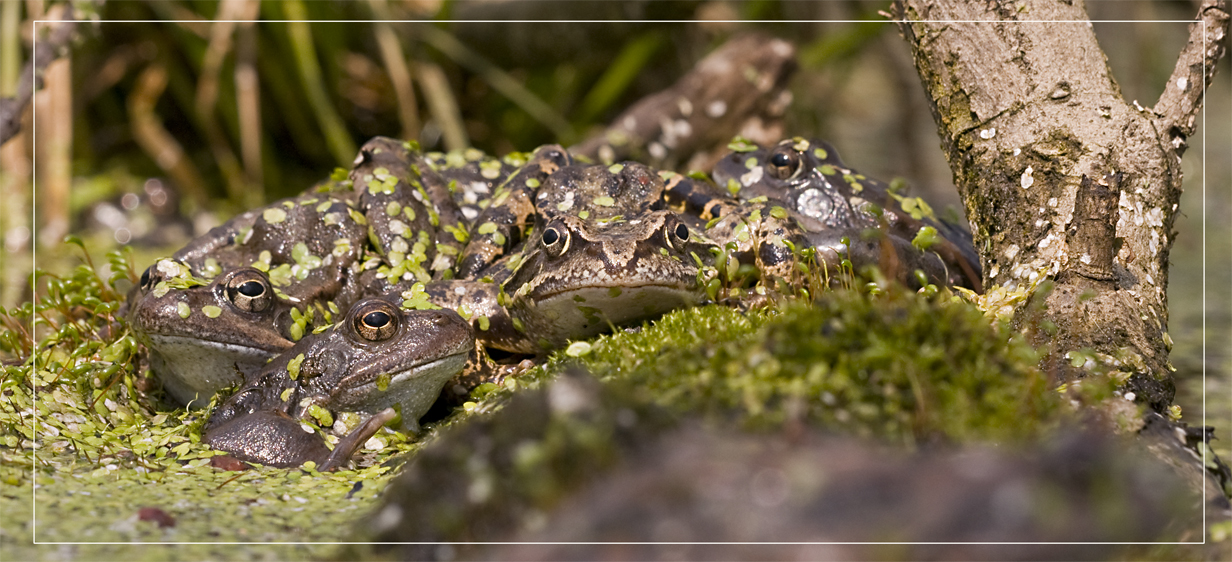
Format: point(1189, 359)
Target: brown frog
point(377, 360)
point(243, 292)
point(205, 335)
point(604, 252)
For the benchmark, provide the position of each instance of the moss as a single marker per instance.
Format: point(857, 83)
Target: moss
point(899, 367)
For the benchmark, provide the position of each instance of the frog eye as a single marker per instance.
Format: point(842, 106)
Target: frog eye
point(556, 239)
point(556, 156)
point(376, 321)
point(250, 291)
point(783, 163)
point(145, 278)
point(675, 235)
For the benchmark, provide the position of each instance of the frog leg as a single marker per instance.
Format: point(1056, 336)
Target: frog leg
point(508, 218)
point(354, 440)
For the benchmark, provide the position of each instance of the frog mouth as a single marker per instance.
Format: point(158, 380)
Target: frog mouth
point(412, 385)
point(587, 311)
point(605, 296)
point(165, 343)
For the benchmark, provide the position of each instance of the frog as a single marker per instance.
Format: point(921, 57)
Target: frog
point(604, 251)
point(831, 202)
point(217, 309)
point(757, 232)
point(380, 359)
point(472, 176)
point(309, 246)
point(204, 335)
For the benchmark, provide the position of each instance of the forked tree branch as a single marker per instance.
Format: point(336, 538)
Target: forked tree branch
point(1178, 106)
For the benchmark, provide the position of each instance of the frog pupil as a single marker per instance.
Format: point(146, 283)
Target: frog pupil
point(145, 276)
point(781, 160)
point(376, 319)
point(550, 236)
point(251, 289)
point(682, 232)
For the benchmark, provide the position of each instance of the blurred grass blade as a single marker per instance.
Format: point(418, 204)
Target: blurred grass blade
point(10, 47)
point(154, 139)
point(500, 80)
point(15, 260)
point(619, 75)
point(442, 104)
point(399, 71)
point(248, 102)
point(846, 43)
point(336, 136)
point(54, 173)
point(206, 100)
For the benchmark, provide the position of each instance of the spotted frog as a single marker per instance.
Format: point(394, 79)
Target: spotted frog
point(414, 224)
point(604, 252)
point(831, 202)
point(378, 359)
point(509, 214)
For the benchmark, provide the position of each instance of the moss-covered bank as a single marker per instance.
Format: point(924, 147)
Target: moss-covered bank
point(109, 462)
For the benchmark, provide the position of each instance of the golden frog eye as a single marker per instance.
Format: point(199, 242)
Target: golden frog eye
point(556, 239)
point(376, 321)
point(783, 163)
point(250, 291)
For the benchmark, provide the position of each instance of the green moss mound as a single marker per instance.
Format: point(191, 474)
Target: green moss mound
point(899, 365)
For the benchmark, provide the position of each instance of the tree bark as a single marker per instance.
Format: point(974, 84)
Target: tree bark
point(1065, 182)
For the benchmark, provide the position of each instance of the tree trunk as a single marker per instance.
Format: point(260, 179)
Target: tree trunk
point(1064, 182)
